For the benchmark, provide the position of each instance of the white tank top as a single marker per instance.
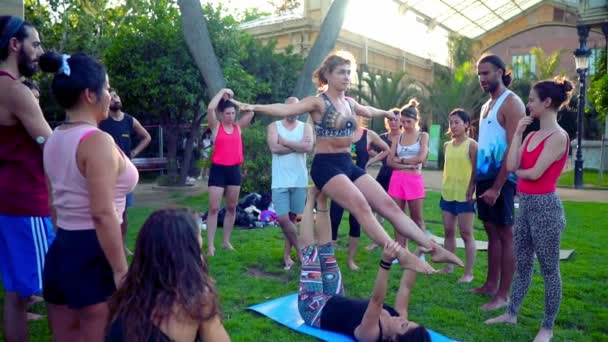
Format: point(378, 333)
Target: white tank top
point(289, 170)
point(408, 151)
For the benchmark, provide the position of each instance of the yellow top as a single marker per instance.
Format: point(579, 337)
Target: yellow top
point(456, 171)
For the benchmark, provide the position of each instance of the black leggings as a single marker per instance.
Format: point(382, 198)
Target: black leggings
point(335, 214)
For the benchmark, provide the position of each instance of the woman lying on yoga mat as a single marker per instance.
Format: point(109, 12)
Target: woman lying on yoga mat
point(332, 168)
point(320, 296)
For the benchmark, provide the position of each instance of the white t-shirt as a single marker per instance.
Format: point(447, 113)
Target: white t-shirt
point(289, 170)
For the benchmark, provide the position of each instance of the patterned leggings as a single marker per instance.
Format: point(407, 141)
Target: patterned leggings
point(320, 279)
point(538, 229)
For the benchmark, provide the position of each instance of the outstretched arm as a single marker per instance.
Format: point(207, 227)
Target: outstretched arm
point(368, 330)
point(369, 111)
point(308, 104)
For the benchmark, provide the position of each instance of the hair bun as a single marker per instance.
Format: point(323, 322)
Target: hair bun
point(50, 62)
point(564, 83)
point(413, 103)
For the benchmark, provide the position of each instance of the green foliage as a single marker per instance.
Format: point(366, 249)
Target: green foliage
point(458, 88)
point(598, 88)
point(460, 49)
point(257, 167)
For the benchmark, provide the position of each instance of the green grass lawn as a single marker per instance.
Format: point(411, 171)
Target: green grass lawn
point(254, 274)
point(591, 179)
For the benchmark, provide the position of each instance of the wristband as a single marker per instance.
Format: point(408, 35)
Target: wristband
point(385, 265)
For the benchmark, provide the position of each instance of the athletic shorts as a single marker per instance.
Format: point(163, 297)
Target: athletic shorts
point(455, 208)
point(24, 241)
point(288, 200)
point(77, 273)
point(223, 176)
point(502, 213)
point(130, 200)
point(406, 186)
point(326, 166)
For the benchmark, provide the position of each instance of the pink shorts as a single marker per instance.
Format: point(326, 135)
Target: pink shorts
point(406, 186)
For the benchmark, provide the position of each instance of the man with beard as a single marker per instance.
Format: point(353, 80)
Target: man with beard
point(26, 230)
point(122, 126)
point(289, 141)
point(495, 186)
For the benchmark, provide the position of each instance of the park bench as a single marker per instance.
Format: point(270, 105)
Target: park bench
point(150, 164)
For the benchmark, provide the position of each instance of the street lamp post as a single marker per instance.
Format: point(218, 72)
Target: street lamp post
point(581, 58)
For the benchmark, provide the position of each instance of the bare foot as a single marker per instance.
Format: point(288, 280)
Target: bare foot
point(441, 254)
point(211, 251)
point(485, 290)
point(544, 335)
point(35, 299)
point(128, 252)
point(504, 318)
point(447, 269)
point(33, 316)
point(353, 266)
point(412, 262)
point(371, 247)
point(494, 304)
point(288, 264)
point(227, 245)
point(467, 278)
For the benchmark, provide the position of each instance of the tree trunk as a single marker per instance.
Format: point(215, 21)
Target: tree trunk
point(172, 137)
point(197, 38)
point(188, 149)
point(330, 30)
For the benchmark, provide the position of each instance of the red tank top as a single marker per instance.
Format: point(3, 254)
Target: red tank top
point(23, 190)
point(546, 183)
point(228, 148)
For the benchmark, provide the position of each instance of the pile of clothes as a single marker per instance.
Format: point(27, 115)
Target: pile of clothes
point(253, 211)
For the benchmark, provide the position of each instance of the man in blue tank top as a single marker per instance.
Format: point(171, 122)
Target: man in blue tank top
point(122, 126)
point(495, 187)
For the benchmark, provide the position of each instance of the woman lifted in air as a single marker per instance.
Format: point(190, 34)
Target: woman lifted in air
point(333, 171)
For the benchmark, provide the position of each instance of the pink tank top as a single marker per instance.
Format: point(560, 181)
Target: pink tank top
point(546, 183)
point(70, 191)
point(228, 148)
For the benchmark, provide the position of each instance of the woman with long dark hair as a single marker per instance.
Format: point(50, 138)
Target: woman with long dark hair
point(332, 170)
point(167, 294)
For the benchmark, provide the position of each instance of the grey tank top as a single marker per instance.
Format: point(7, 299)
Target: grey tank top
point(408, 151)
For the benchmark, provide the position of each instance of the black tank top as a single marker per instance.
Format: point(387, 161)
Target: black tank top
point(120, 131)
point(359, 150)
point(343, 315)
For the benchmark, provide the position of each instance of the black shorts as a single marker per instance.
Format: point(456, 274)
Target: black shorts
point(503, 212)
point(76, 271)
point(326, 166)
point(223, 175)
point(384, 177)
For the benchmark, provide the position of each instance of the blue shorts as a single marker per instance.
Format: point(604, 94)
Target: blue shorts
point(130, 200)
point(455, 208)
point(288, 200)
point(24, 241)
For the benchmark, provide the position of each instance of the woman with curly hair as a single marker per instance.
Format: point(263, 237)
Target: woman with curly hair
point(167, 294)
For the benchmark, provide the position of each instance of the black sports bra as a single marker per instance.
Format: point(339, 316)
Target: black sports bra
point(334, 123)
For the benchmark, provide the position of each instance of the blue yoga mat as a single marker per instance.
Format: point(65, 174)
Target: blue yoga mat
point(284, 310)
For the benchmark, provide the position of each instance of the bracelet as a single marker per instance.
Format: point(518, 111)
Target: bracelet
point(385, 265)
point(322, 210)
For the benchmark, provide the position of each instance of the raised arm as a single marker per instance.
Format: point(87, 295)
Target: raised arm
point(272, 138)
point(144, 138)
point(212, 119)
point(516, 147)
point(379, 144)
point(28, 112)
point(556, 142)
point(303, 146)
point(308, 104)
point(246, 117)
point(368, 330)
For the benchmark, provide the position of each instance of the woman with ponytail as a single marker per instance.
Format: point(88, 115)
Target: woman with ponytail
point(538, 162)
point(89, 179)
